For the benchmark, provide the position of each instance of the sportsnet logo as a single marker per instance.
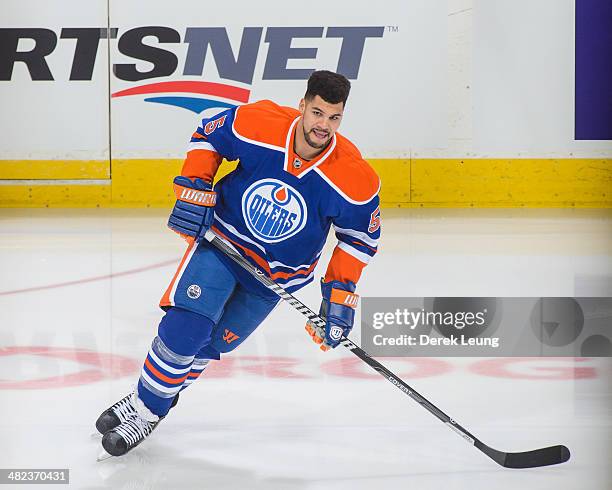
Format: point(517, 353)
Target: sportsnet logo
point(194, 53)
point(273, 211)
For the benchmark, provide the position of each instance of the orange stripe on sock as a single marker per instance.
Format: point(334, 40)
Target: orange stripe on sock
point(163, 377)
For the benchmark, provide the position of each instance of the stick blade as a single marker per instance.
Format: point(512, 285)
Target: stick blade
point(540, 457)
point(546, 456)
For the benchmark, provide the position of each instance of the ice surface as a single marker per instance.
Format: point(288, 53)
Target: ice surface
point(278, 413)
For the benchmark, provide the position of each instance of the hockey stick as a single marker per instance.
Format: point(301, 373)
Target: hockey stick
point(527, 459)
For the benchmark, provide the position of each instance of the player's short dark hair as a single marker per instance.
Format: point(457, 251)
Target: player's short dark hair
point(331, 87)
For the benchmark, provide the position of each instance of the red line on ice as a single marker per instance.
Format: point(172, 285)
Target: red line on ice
point(91, 279)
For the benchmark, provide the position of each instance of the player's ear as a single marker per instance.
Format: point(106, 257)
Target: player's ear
point(302, 106)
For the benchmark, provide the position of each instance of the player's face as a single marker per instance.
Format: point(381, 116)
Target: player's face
point(320, 120)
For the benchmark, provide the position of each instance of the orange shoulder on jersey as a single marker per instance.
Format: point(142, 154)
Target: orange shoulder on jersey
point(350, 173)
point(264, 122)
point(343, 267)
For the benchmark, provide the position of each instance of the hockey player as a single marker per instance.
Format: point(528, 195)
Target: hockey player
point(296, 178)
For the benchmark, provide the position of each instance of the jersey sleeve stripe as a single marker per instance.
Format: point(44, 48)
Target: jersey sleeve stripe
point(361, 247)
point(201, 145)
point(362, 257)
point(360, 235)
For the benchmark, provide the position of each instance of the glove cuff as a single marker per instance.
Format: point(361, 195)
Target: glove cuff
point(344, 298)
point(194, 192)
point(341, 293)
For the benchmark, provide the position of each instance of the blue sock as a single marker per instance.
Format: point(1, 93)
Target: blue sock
point(181, 334)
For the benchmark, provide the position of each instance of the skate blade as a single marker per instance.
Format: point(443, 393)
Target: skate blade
point(103, 456)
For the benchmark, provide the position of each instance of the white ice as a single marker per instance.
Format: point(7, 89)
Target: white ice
point(278, 413)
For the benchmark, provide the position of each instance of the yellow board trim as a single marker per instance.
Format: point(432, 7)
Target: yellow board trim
point(448, 183)
point(148, 183)
point(395, 188)
point(54, 169)
point(511, 182)
point(57, 196)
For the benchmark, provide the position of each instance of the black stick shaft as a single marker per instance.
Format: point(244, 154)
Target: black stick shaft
point(349, 344)
point(545, 456)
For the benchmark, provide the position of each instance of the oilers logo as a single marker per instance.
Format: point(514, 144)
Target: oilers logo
point(273, 211)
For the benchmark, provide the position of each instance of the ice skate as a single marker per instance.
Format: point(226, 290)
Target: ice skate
point(136, 424)
point(118, 413)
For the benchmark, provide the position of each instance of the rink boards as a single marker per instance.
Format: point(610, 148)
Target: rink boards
point(581, 183)
point(451, 110)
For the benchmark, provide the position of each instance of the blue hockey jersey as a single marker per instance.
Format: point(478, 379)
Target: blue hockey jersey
point(275, 208)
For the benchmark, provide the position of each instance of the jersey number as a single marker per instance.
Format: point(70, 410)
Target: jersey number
point(374, 221)
point(212, 125)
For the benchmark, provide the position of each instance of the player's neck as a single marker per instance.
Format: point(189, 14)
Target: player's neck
point(301, 146)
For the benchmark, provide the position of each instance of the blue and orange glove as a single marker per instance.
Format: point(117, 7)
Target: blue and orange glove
point(193, 213)
point(338, 311)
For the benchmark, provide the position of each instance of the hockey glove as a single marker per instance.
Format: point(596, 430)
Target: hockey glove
point(193, 212)
point(338, 311)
